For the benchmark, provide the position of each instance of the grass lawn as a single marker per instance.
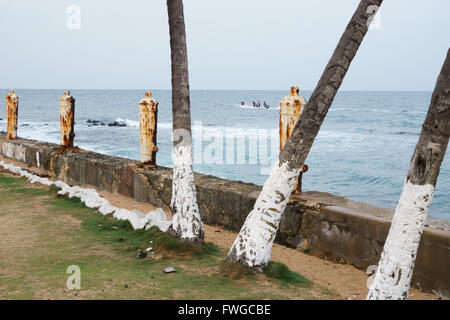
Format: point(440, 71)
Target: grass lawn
point(43, 234)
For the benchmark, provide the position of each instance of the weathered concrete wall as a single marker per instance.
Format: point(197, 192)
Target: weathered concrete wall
point(321, 224)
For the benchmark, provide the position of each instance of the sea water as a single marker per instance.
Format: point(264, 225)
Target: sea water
point(362, 151)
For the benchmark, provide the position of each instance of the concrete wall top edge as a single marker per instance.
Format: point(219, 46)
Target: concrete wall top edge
point(335, 205)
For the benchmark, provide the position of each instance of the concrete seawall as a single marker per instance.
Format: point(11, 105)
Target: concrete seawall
point(321, 224)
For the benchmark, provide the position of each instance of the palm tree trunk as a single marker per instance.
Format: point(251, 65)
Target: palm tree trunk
point(393, 277)
point(253, 245)
point(187, 224)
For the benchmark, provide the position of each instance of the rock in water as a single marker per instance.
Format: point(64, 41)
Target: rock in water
point(117, 124)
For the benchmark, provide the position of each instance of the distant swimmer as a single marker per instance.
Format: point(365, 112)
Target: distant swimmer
point(265, 105)
point(258, 104)
point(242, 103)
point(254, 103)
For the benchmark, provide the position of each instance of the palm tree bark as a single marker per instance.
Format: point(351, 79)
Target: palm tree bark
point(393, 277)
point(253, 245)
point(187, 224)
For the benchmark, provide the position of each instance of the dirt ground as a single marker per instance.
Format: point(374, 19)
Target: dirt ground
point(41, 235)
point(345, 281)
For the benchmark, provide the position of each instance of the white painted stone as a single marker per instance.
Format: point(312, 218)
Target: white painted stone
point(158, 218)
point(92, 199)
point(107, 209)
point(136, 218)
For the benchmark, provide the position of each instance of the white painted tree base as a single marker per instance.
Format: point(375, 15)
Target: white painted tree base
point(253, 245)
point(393, 277)
point(186, 221)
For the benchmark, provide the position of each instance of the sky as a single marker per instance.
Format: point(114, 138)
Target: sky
point(232, 45)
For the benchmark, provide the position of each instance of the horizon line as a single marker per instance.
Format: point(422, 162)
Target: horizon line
point(165, 89)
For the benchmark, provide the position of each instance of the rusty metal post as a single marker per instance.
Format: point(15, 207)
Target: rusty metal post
point(291, 107)
point(12, 109)
point(148, 116)
point(67, 117)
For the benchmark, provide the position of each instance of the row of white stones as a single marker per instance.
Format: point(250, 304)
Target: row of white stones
point(92, 199)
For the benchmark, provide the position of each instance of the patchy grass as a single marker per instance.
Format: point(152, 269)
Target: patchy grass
point(16, 185)
point(282, 273)
point(43, 234)
point(111, 231)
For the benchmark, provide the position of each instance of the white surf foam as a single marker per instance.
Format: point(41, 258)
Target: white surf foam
point(245, 106)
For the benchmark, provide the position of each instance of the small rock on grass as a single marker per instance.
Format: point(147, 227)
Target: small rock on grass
point(169, 270)
point(141, 255)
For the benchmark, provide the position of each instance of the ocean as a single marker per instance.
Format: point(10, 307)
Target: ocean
point(362, 151)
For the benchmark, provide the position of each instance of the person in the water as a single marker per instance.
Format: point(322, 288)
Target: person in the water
point(242, 103)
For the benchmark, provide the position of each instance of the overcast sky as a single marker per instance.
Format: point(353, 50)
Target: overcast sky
point(232, 44)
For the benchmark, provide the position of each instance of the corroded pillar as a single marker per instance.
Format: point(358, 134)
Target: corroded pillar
point(67, 117)
point(148, 116)
point(12, 109)
point(291, 107)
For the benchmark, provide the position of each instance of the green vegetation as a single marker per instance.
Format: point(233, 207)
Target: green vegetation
point(43, 234)
point(282, 273)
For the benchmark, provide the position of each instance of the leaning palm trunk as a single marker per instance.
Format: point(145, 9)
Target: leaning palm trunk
point(393, 277)
point(187, 224)
point(253, 245)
